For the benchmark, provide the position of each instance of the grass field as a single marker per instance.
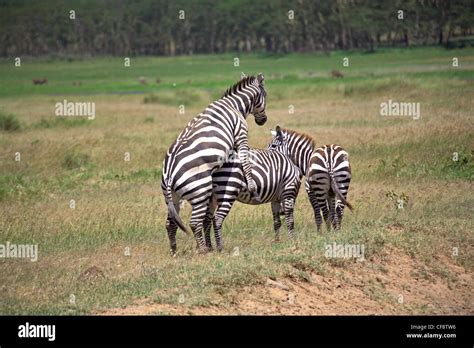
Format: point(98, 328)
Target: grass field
point(110, 253)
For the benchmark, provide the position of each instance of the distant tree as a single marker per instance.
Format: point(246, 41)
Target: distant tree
point(153, 27)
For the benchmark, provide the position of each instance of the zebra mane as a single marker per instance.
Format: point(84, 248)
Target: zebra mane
point(301, 135)
point(244, 81)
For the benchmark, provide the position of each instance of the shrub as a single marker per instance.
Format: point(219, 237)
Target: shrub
point(9, 123)
point(73, 160)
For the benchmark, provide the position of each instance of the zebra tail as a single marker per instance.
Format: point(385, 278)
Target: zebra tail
point(338, 192)
point(174, 214)
point(172, 210)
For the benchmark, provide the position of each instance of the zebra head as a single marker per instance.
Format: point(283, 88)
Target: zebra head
point(279, 141)
point(248, 96)
point(258, 107)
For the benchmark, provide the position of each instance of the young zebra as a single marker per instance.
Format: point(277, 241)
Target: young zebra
point(278, 182)
point(200, 149)
point(301, 149)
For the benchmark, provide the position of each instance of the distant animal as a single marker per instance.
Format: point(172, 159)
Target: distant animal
point(158, 81)
point(278, 181)
point(40, 81)
point(76, 83)
point(336, 73)
point(142, 80)
point(201, 149)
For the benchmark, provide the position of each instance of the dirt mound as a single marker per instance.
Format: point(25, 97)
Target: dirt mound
point(396, 284)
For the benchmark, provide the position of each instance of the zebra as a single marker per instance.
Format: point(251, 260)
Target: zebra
point(327, 172)
point(278, 181)
point(329, 176)
point(201, 148)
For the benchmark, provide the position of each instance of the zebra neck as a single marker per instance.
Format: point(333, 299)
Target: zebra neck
point(240, 102)
point(301, 155)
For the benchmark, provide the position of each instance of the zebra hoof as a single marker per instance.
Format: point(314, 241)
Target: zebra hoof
point(203, 251)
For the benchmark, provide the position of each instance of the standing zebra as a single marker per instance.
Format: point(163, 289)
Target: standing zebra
point(278, 182)
point(303, 152)
point(201, 148)
point(329, 176)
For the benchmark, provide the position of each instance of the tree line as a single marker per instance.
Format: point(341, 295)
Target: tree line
point(167, 27)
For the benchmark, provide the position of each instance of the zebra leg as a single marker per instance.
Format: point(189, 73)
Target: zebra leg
point(332, 211)
point(323, 205)
point(198, 214)
point(317, 212)
point(242, 146)
point(318, 195)
point(289, 218)
point(219, 217)
point(276, 219)
point(207, 224)
point(171, 228)
point(339, 213)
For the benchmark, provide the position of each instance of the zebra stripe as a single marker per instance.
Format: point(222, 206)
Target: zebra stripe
point(201, 148)
point(277, 179)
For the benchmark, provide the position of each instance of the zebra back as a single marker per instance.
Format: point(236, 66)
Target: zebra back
point(273, 172)
point(298, 146)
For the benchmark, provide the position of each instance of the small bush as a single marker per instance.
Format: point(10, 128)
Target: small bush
point(151, 99)
point(9, 123)
point(460, 165)
point(18, 185)
point(74, 160)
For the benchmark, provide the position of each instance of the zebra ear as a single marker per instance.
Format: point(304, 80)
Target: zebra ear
point(260, 78)
point(273, 133)
point(278, 131)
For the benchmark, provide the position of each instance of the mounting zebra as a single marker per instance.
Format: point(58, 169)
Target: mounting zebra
point(202, 147)
point(278, 181)
point(327, 172)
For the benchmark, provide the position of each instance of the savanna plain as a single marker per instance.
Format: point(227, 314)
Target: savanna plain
point(110, 253)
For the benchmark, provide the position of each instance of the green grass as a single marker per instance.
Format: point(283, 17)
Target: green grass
point(211, 72)
point(60, 122)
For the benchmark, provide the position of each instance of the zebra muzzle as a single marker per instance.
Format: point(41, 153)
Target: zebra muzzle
point(260, 119)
